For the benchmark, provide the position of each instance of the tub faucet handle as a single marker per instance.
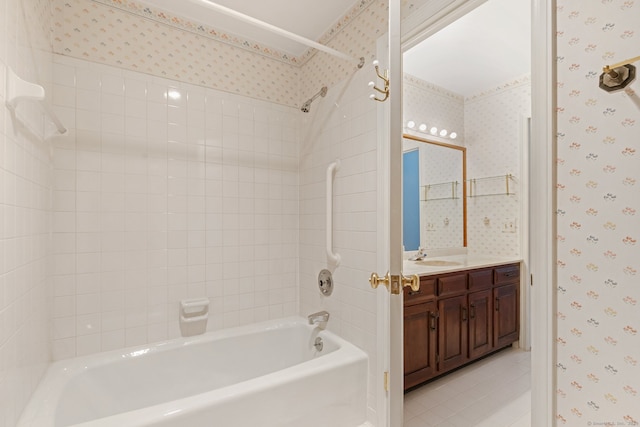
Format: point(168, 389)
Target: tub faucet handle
point(320, 318)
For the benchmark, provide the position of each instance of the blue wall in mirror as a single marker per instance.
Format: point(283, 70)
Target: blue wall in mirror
point(411, 200)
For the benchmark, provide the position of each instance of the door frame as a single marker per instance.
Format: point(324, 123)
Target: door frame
point(541, 247)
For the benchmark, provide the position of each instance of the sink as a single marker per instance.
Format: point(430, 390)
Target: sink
point(438, 263)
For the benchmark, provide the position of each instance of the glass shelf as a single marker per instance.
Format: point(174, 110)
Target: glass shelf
point(440, 191)
point(501, 185)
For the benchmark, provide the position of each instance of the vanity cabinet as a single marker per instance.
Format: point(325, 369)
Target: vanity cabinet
point(480, 323)
point(420, 330)
point(458, 317)
point(452, 332)
point(506, 304)
point(420, 326)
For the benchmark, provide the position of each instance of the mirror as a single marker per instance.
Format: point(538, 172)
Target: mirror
point(434, 194)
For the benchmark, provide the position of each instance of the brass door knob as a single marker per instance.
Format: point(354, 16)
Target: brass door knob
point(412, 281)
point(376, 280)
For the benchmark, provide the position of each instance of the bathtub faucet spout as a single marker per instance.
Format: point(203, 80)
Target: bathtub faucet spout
point(320, 318)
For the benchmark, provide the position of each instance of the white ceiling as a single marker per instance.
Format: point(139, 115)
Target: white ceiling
point(307, 18)
point(487, 47)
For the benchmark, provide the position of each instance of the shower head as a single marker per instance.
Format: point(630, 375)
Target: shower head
point(307, 105)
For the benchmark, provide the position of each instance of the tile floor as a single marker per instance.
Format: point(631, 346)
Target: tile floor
point(493, 392)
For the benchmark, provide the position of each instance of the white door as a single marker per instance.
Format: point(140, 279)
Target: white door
point(390, 325)
point(390, 364)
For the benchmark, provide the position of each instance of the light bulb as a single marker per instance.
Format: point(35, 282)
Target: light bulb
point(434, 130)
point(423, 127)
point(443, 132)
point(453, 135)
point(411, 124)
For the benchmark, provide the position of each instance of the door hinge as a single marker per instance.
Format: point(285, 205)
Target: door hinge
point(386, 381)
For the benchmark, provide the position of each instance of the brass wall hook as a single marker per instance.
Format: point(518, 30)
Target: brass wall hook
point(385, 78)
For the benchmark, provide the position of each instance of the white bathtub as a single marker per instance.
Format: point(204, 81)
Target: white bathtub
point(267, 374)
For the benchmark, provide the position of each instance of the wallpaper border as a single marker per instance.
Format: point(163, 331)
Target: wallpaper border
point(161, 16)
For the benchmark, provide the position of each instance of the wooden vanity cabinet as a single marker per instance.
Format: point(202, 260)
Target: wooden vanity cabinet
point(420, 331)
point(420, 326)
point(452, 332)
point(480, 323)
point(506, 318)
point(456, 318)
point(480, 299)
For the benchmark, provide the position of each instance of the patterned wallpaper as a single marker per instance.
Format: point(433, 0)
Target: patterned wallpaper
point(489, 125)
point(424, 102)
point(130, 35)
point(433, 105)
point(358, 40)
point(598, 364)
point(96, 32)
point(134, 36)
point(441, 212)
point(493, 120)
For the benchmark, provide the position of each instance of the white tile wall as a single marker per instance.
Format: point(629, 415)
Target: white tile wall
point(25, 206)
point(167, 191)
point(342, 126)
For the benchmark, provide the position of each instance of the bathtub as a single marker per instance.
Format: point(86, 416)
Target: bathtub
point(267, 374)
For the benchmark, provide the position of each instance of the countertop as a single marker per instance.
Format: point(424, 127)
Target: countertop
point(454, 263)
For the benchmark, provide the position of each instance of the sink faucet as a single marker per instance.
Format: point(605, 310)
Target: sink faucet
point(420, 255)
point(320, 318)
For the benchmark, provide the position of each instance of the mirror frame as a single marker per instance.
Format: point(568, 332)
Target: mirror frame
point(463, 150)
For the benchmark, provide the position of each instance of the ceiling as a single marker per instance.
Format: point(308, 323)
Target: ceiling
point(307, 18)
point(485, 48)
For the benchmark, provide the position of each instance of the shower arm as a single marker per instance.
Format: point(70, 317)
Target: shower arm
point(322, 92)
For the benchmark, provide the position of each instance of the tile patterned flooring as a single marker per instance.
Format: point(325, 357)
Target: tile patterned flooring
point(493, 392)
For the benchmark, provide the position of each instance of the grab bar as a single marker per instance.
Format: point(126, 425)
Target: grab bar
point(333, 257)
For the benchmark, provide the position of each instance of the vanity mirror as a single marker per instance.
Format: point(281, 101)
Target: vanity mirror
point(434, 194)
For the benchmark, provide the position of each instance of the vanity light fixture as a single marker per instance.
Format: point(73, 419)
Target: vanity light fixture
point(433, 130)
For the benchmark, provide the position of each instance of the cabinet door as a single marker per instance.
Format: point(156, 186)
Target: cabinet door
point(480, 322)
point(452, 334)
point(419, 343)
point(505, 317)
